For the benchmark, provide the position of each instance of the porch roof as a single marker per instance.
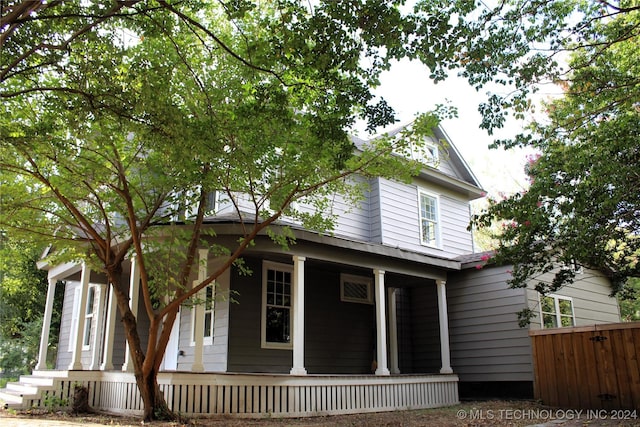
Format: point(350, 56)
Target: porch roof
point(347, 251)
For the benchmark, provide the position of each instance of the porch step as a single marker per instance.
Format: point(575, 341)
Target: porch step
point(36, 380)
point(28, 388)
point(11, 398)
point(22, 388)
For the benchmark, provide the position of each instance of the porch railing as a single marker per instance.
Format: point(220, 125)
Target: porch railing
point(257, 395)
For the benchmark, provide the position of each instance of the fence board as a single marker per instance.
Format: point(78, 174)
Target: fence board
point(631, 339)
point(588, 367)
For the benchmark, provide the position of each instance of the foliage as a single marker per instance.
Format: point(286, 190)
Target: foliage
point(22, 299)
point(19, 354)
point(22, 286)
point(582, 205)
point(515, 48)
point(120, 119)
point(630, 303)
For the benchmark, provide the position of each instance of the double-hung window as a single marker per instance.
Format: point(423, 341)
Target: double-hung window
point(556, 311)
point(88, 318)
point(429, 221)
point(276, 305)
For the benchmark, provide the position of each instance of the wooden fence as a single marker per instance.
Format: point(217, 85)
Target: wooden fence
point(588, 367)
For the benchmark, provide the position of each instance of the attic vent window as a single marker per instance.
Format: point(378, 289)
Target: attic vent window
point(356, 289)
point(425, 153)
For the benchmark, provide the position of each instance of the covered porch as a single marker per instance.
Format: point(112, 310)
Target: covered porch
point(301, 377)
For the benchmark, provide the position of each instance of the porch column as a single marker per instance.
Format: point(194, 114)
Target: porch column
point(297, 298)
point(110, 327)
point(198, 366)
point(393, 332)
point(381, 322)
point(97, 343)
point(444, 327)
point(46, 326)
point(82, 311)
point(134, 293)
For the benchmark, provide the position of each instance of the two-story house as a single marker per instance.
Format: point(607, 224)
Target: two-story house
point(352, 322)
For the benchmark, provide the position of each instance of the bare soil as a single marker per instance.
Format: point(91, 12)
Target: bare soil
point(467, 414)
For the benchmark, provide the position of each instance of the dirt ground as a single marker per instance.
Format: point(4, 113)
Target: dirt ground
point(467, 414)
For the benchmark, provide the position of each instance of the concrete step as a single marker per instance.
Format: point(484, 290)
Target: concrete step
point(10, 398)
point(23, 389)
point(36, 380)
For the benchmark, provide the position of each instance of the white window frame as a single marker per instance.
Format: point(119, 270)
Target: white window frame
point(89, 315)
point(211, 205)
point(74, 318)
point(558, 315)
point(437, 244)
point(359, 280)
point(428, 153)
point(279, 267)
point(207, 338)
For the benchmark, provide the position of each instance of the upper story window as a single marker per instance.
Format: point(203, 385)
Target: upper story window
point(429, 219)
point(556, 311)
point(276, 305)
point(426, 153)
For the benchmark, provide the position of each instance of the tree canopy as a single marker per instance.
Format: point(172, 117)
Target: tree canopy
point(119, 120)
point(582, 206)
point(120, 117)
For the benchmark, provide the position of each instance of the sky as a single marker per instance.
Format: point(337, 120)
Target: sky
point(408, 89)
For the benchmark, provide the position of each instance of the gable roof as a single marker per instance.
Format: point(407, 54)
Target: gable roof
point(464, 179)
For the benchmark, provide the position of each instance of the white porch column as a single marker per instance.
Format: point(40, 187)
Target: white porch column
point(198, 366)
point(393, 332)
point(46, 326)
point(134, 293)
point(444, 327)
point(381, 323)
point(97, 344)
point(110, 327)
point(82, 310)
point(297, 298)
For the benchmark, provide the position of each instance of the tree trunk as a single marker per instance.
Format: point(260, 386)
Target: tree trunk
point(155, 406)
point(146, 374)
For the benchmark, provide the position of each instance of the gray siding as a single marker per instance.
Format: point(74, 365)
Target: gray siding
point(445, 165)
point(64, 355)
point(339, 336)
point(486, 342)
point(400, 218)
point(245, 352)
point(592, 303)
point(353, 219)
point(375, 217)
point(66, 334)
